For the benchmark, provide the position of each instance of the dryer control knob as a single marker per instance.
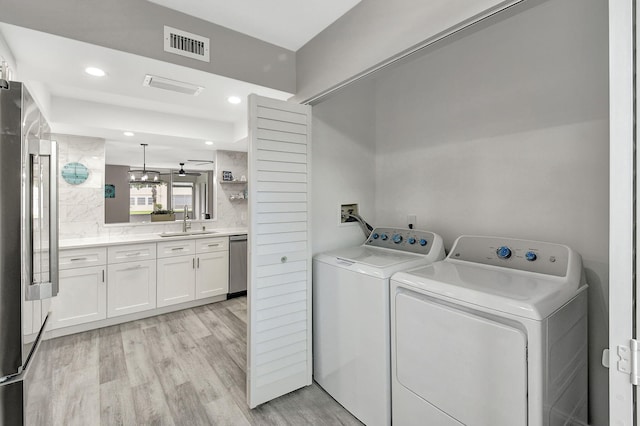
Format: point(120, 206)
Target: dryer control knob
point(411, 240)
point(384, 237)
point(504, 252)
point(397, 238)
point(530, 256)
point(423, 242)
point(375, 236)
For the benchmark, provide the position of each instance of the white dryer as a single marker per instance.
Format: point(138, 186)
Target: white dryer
point(494, 335)
point(351, 328)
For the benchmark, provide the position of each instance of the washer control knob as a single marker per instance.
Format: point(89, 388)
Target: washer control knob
point(384, 237)
point(411, 240)
point(423, 242)
point(375, 236)
point(530, 256)
point(397, 238)
point(504, 252)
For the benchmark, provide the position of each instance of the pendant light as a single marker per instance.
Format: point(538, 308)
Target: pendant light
point(144, 176)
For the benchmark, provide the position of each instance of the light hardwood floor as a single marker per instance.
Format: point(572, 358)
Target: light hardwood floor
point(182, 368)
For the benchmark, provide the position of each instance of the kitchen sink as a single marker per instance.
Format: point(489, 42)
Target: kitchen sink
point(184, 234)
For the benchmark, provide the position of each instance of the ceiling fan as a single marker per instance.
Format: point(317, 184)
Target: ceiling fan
point(182, 172)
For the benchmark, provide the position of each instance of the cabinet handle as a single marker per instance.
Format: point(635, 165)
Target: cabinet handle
point(133, 267)
point(198, 262)
point(214, 245)
point(177, 248)
point(194, 263)
point(78, 258)
point(103, 275)
point(133, 254)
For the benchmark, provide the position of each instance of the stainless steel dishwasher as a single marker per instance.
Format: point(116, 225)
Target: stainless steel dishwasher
point(237, 265)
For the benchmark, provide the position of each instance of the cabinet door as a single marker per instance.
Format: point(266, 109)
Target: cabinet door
point(212, 274)
point(176, 280)
point(82, 297)
point(132, 287)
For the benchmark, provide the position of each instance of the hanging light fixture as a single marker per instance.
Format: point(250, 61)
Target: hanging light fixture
point(144, 176)
point(181, 172)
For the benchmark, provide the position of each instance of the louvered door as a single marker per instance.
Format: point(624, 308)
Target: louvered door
point(279, 287)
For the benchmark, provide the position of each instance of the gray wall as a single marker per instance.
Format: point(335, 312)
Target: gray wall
point(343, 165)
point(501, 131)
point(116, 210)
point(137, 26)
point(372, 32)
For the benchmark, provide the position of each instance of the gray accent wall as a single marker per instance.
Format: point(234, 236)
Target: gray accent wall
point(502, 130)
point(116, 210)
point(137, 26)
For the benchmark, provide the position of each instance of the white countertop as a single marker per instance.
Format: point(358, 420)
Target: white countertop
point(143, 238)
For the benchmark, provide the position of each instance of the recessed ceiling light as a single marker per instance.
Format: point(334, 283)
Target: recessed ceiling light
point(129, 134)
point(208, 142)
point(96, 72)
point(234, 99)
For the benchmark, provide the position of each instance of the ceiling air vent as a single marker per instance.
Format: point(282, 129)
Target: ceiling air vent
point(173, 85)
point(186, 44)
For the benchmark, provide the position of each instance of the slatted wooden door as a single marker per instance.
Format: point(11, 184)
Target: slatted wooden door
point(279, 271)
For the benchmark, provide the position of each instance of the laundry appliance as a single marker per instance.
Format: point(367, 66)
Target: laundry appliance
point(351, 335)
point(494, 335)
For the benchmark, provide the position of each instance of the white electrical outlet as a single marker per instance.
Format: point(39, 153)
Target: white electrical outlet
point(412, 220)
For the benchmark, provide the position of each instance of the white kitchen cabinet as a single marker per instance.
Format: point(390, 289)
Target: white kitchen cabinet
point(131, 287)
point(131, 283)
point(82, 297)
point(176, 280)
point(203, 274)
point(83, 289)
point(212, 274)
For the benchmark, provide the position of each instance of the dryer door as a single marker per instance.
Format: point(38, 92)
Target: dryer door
point(471, 368)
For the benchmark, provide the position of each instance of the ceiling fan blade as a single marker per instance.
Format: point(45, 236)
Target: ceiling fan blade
point(200, 162)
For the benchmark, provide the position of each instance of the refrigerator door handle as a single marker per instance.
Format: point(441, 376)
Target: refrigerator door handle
point(41, 289)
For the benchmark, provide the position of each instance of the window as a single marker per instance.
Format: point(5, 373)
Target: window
point(132, 201)
point(140, 201)
point(149, 201)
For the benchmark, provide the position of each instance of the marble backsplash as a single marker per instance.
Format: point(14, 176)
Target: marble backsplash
point(82, 206)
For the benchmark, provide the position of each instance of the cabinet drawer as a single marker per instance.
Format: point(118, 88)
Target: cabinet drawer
point(176, 248)
point(79, 258)
point(131, 253)
point(207, 245)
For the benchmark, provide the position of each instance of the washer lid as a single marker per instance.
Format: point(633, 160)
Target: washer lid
point(372, 261)
point(521, 293)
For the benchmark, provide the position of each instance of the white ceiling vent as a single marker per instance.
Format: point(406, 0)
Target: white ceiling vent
point(186, 44)
point(173, 85)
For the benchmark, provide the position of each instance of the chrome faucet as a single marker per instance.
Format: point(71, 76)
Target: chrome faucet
point(186, 225)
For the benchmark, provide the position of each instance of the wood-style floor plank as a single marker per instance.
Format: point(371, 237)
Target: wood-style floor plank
point(182, 368)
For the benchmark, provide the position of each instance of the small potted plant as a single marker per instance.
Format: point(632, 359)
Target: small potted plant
point(160, 215)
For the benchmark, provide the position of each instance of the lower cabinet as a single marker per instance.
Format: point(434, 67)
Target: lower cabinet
point(176, 278)
point(212, 274)
point(132, 287)
point(82, 297)
point(201, 274)
point(97, 283)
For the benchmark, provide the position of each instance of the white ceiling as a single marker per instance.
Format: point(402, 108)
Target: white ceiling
point(79, 104)
point(285, 23)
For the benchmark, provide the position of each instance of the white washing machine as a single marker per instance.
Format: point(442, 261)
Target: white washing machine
point(351, 331)
point(494, 335)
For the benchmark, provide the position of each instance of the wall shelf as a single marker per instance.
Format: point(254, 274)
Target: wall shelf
point(227, 182)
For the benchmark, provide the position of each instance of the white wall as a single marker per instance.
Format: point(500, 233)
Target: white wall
point(500, 131)
point(343, 166)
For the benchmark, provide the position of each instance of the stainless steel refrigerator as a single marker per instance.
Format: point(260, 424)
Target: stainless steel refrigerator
point(28, 256)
